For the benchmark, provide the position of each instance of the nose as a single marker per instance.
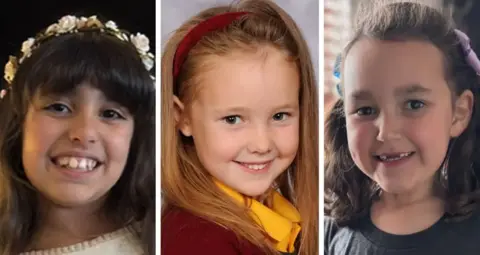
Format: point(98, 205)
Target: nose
point(389, 127)
point(260, 141)
point(83, 129)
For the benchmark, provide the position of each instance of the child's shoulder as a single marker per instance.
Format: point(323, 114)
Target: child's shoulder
point(333, 232)
point(329, 228)
point(178, 221)
point(444, 237)
point(120, 242)
point(185, 233)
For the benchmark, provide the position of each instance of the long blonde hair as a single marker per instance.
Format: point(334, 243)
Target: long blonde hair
point(185, 183)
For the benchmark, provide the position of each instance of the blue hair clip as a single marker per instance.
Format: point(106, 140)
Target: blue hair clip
point(336, 74)
point(336, 67)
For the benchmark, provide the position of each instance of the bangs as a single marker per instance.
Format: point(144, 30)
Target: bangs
point(114, 67)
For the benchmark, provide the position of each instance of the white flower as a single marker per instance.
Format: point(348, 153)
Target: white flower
point(94, 22)
point(141, 42)
point(67, 23)
point(3, 93)
point(9, 72)
point(27, 46)
point(121, 36)
point(110, 24)
point(81, 22)
point(52, 29)
point(147, 62)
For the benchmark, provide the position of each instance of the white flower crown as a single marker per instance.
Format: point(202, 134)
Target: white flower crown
point(72, 24)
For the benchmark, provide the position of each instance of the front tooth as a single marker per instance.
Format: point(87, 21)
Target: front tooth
point(82, 164)
point(256, 167)
point(76, 163)
point(63, 161)
point(73, 163)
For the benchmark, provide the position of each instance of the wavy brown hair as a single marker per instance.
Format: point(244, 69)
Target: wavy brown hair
point(59, 65)
point(349, 192)
point(185, 183)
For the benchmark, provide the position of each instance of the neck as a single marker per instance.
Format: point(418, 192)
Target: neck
point(63, 226)
point(407, 213)
point(405, 199)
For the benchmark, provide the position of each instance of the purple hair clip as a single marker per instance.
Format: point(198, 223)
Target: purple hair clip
point(471, 56)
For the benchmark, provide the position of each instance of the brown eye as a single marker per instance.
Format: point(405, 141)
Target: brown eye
point(365, 111)
point(111, 114)
point(232, 120)
point(58, 108)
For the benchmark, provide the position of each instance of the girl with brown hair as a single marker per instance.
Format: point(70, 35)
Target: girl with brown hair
point(401, 143)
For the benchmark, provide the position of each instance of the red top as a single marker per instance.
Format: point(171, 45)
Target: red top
point(186, 234)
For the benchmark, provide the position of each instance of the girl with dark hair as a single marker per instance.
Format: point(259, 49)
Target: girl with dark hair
point(401, 143)
point(77, 159)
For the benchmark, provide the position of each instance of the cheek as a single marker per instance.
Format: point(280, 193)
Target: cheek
point(433, 128)
point(287, 140)
point(118, 141)
point(39, 134)
point(214, 141)
point(360, 137)
point(432, 125)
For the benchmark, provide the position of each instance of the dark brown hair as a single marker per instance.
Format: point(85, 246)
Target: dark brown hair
point(349, 192)
point(58, 66)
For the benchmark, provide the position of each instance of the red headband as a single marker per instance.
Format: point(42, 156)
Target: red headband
point(192, 37)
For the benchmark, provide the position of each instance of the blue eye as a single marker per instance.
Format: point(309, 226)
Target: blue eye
point(280, 116)
point(415, 104)
point(232, 120)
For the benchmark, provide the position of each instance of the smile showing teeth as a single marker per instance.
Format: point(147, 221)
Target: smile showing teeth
point(256, 167)
point(394, 157)
point(76, 163)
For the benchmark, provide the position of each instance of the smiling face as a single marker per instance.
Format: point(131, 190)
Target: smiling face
point(244, 119)
point(75, 146)
point(399, 112)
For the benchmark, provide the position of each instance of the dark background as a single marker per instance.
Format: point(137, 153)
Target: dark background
point(21, 19)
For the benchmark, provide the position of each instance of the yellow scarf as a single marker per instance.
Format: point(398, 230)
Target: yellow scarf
point(281, 222)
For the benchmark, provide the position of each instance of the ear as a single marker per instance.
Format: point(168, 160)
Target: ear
point(462, 113)
point(181, 120)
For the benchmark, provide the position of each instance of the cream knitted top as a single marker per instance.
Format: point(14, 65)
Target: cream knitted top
point(121, 242)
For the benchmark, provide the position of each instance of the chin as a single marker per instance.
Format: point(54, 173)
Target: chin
point(395, 189)
point(255, 190)
point(71, 200)
point(253, 193)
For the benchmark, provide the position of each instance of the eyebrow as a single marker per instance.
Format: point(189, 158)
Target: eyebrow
point(413, 89)
point(230, 109)
point(402, 91)
point(288, 106)
point(244, 109)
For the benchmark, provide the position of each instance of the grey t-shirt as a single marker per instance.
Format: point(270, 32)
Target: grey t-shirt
point(443, 238)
